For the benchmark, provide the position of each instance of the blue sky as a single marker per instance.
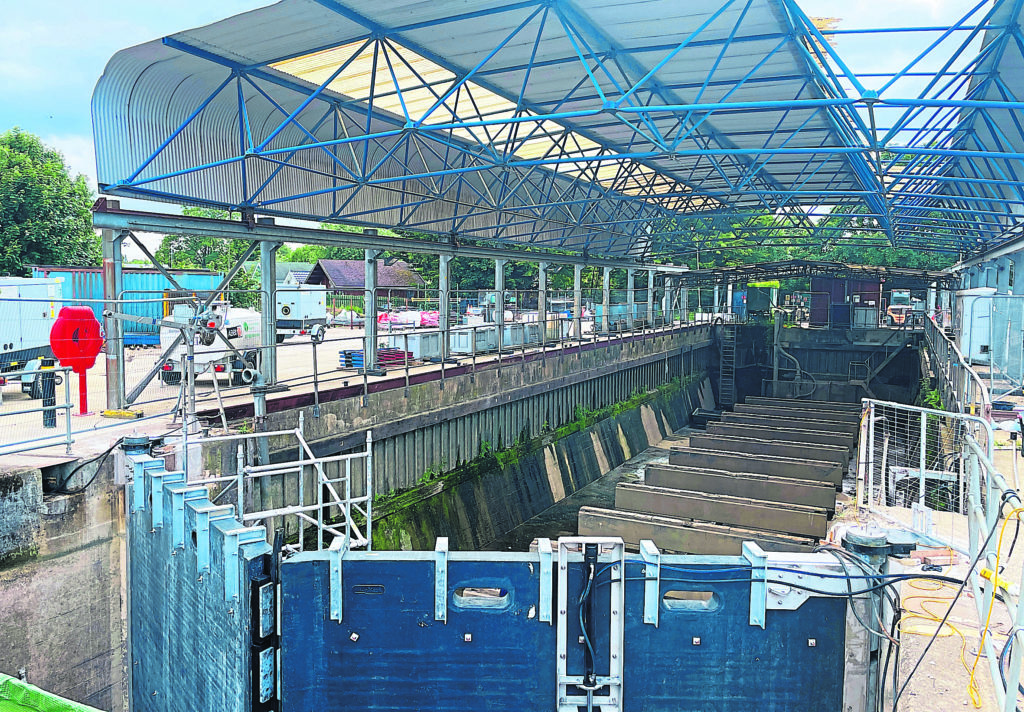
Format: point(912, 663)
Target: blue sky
point(53, 51)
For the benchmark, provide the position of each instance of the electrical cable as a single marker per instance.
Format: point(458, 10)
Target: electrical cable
point(935, 635)
point(102, 457)
point(1015, 514)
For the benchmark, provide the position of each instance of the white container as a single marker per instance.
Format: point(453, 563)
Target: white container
point(485, 338)
point(421, 346)
point(973, 323)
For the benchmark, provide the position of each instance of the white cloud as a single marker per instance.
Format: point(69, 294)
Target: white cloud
point(79, 154)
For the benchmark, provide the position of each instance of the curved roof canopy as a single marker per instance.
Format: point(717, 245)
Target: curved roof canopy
point(620, 129)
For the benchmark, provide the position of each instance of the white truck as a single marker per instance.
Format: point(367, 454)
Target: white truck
point(213, 357)
point(28, 309)
point(300, 311)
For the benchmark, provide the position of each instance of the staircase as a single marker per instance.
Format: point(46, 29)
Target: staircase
point(727, 367)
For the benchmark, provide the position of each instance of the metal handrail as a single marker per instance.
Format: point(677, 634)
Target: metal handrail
point(961, 382)
point(66, 406)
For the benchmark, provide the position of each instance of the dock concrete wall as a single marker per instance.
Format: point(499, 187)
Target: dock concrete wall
point(61, 588)
point(485, 501)
point(436, 427)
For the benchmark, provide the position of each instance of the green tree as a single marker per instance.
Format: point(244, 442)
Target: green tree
point(44, 212)
point(218, 254)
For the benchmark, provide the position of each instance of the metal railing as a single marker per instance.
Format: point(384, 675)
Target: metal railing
point(962, 388)
point(331, 505)
point(18, 428)
point(932, 461)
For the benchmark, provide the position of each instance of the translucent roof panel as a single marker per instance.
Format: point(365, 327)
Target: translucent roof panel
point(574, 125)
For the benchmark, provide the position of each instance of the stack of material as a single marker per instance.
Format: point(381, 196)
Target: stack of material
point(353, 358)
point(767, 473)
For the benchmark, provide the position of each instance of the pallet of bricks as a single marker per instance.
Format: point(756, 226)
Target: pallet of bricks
point(353, 358)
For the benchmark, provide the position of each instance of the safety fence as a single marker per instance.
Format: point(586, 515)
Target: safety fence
point(21, 422)
point(962, 389)
point(155, 339)
point(314, 501)
point(931, 461)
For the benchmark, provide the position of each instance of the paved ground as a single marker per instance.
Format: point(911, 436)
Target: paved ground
point(94, 433)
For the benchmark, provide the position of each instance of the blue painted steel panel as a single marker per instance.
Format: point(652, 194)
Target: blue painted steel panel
point(389, 653)
point(86, 283)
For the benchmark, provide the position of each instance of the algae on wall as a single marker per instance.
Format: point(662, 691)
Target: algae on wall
point(483, 500)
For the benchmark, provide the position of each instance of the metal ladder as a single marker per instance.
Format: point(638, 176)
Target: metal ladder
point(727, 366)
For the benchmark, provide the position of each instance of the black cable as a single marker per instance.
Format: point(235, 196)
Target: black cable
point(853, 606)
point(942, 623)
point(62, 486)
point(102, 457)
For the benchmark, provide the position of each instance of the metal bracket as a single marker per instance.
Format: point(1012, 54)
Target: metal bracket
point(441, 579)
point(159, 479)
point(652, 580)
point(205, 515)
point(234, 540)
point(544, 553)
point(758, 582)
point(179, 495)
point(334, 583)
point(139, 470)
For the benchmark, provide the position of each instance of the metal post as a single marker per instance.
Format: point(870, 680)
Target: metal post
point(499, 302)
point(577, 299)
point(728, 299)
point(370, 312)
point(369, 490)
point(650, 298)
point(444, 305)
point(685, 309)
point(542, 302)
point(268, 289)
point(112, 287)
point(630, 299)
point(67, 409)
point(606, 300)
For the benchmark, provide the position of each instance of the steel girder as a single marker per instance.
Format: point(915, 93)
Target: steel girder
point(566, 131)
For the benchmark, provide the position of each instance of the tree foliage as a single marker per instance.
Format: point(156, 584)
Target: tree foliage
point(44, 212)
point(218, 254)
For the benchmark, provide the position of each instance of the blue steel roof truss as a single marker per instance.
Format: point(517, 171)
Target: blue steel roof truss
point(567, 131)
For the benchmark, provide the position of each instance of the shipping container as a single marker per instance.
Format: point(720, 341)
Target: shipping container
point(147, 285)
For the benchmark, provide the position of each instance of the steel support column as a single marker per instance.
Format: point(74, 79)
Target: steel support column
point(370, 311)
point(650, 297)
point(728, 298)
point(444, 305)
point(542, 300)
point(630, 298)
point(268, 289)
point(577, 300)
point(606, 300)
point(499, 300)
point(112, 288)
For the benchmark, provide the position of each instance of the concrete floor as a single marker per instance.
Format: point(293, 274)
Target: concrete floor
point(95, 433)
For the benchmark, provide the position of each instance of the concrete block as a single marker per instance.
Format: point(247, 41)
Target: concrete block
point(21, 501)
point(723, 509)
point(766, 488)
point(800, 404)
point(791, 412)
point(777, 448)
point(817, 470)
point(846, 440)
point(817, 424)
point(682, 536)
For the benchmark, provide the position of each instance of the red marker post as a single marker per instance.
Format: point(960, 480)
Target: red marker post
point(76, 341)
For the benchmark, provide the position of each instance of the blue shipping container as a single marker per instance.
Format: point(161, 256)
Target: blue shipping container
point(148, 286)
